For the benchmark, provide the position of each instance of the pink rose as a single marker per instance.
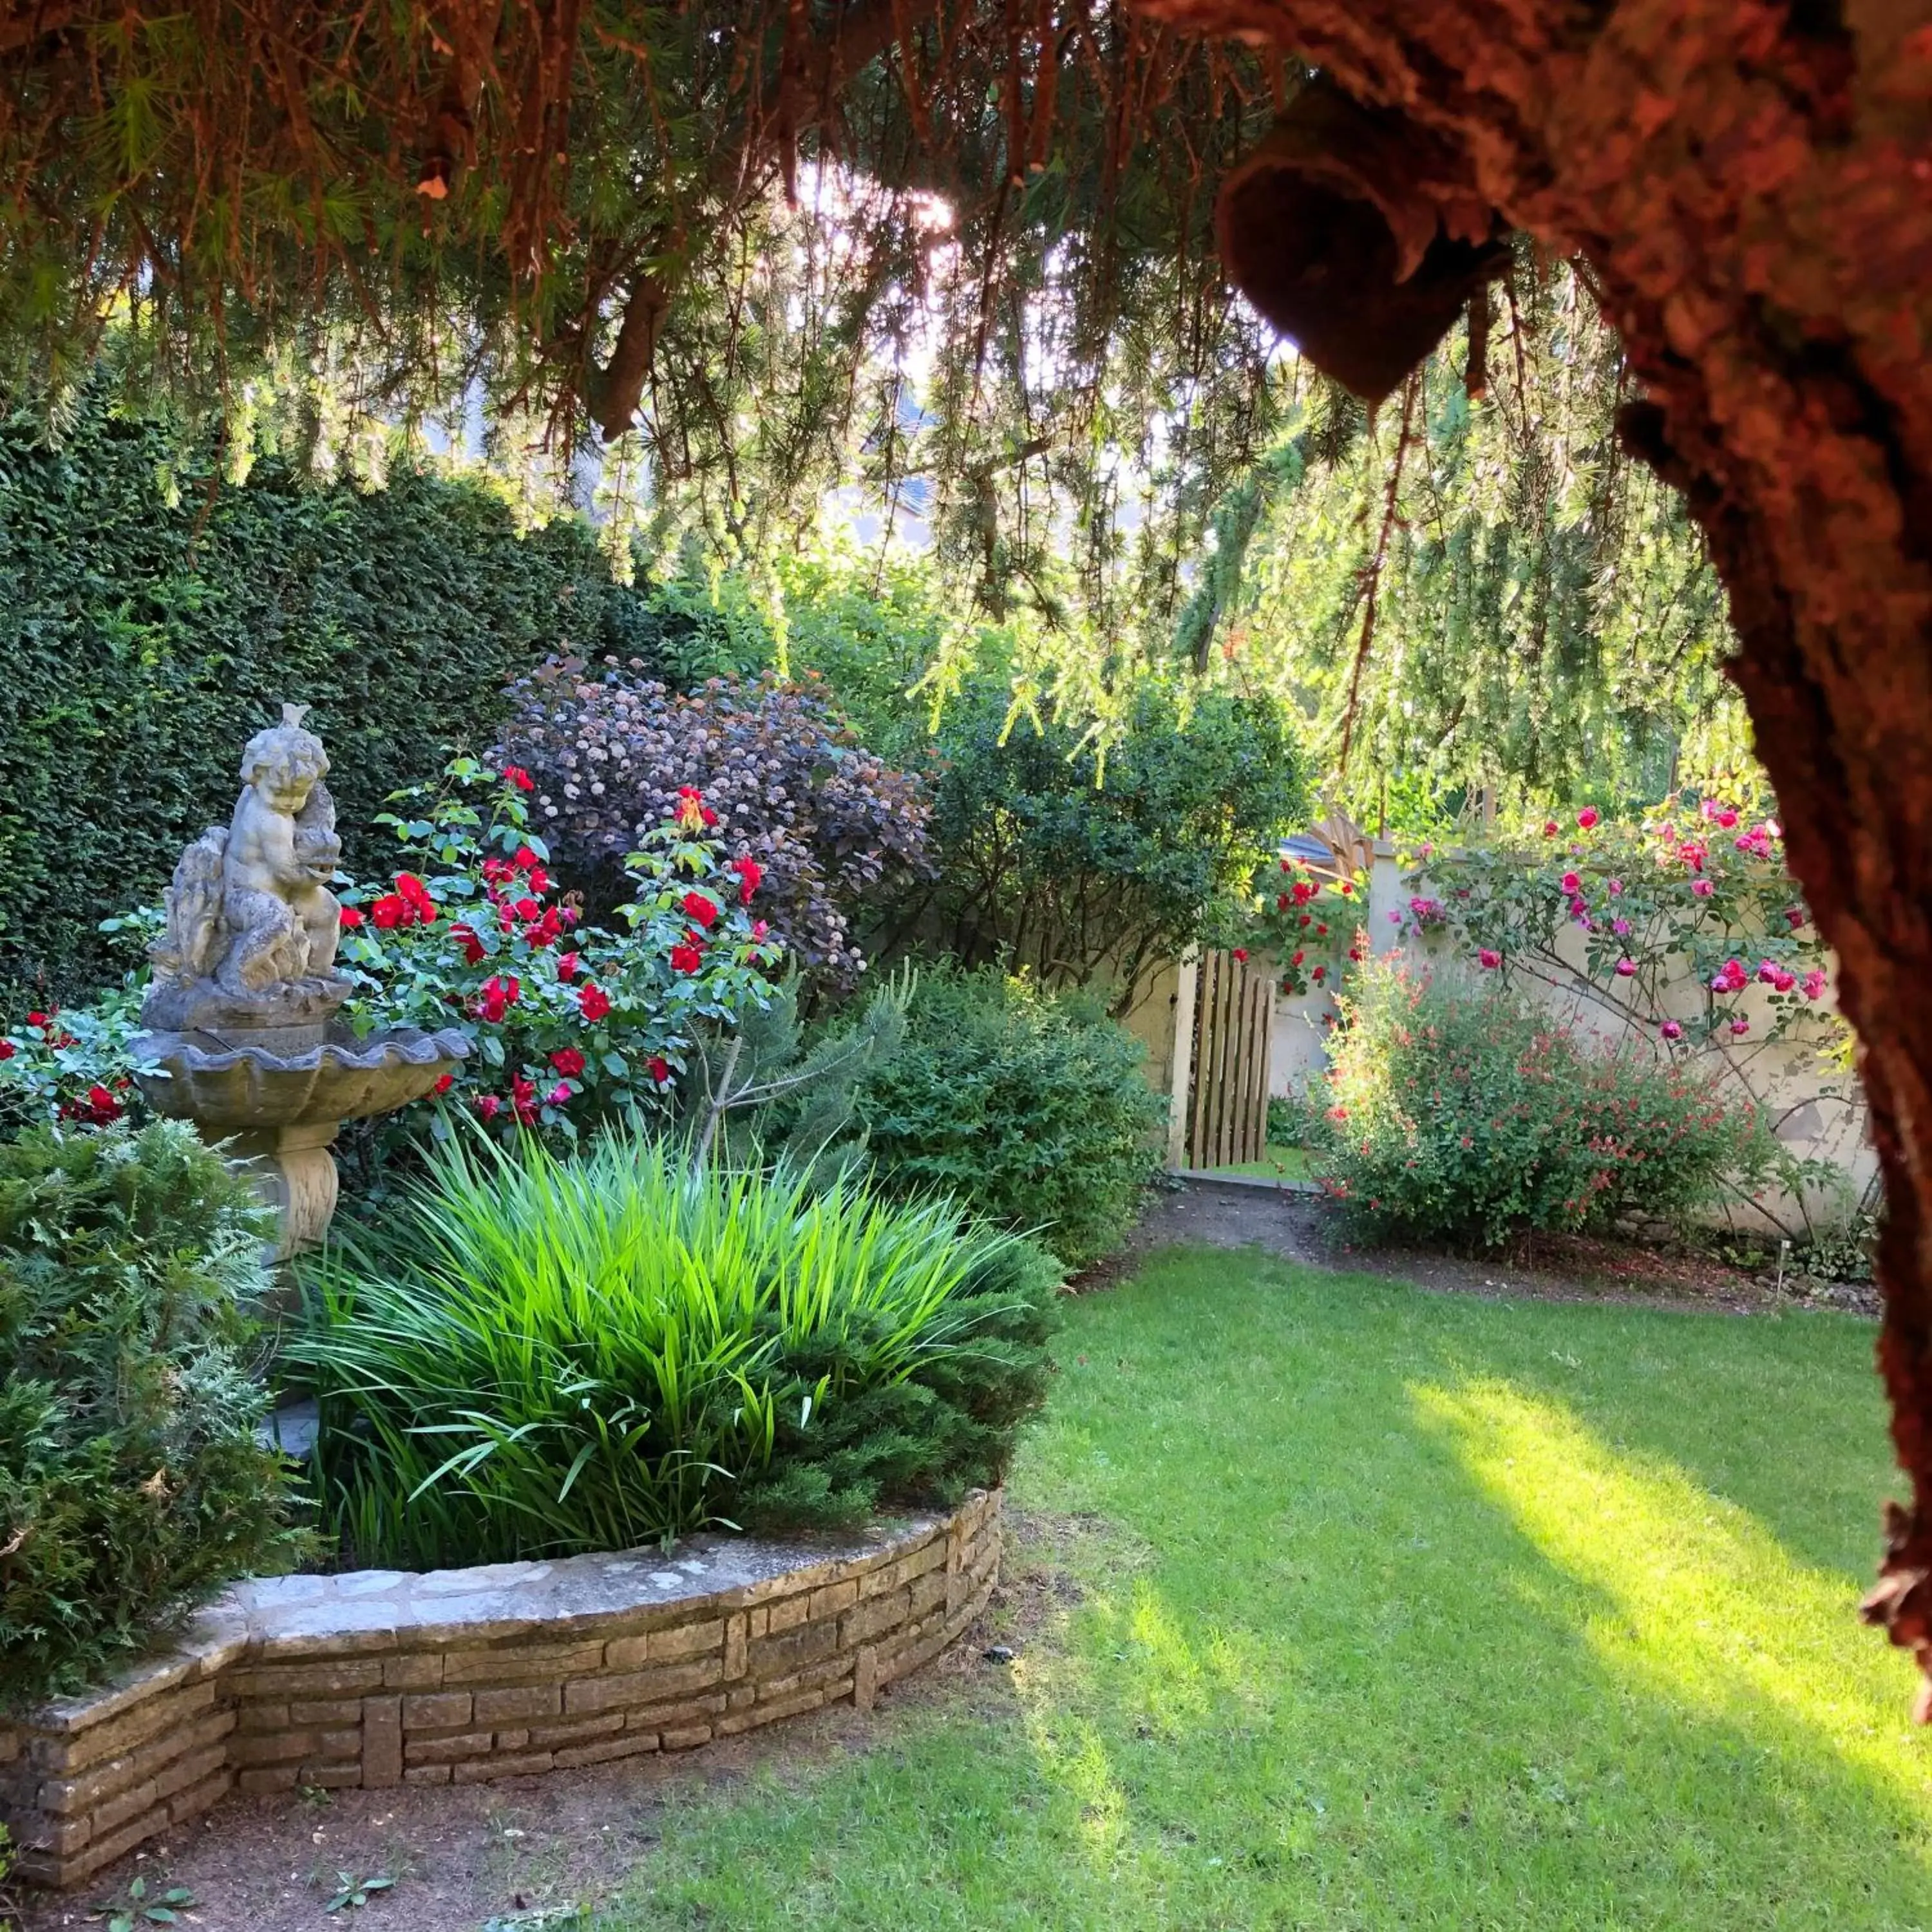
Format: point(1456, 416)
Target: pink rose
point(1489, 959)
point(1671, 1030)
point(1625, 968)
point(1588, 817)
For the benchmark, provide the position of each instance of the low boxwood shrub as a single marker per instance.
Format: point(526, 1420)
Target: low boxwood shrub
point(131, 1482)
point(1032, 1109)
point(1459, 1112)
point(535, 1355)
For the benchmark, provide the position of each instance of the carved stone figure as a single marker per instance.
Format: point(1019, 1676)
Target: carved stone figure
point(240, 1037)
point(252, 925)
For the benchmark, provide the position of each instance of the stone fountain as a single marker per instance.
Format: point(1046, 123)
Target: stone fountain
point(242, 1036)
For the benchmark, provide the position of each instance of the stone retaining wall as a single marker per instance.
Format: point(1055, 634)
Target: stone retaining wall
point(379, 1678)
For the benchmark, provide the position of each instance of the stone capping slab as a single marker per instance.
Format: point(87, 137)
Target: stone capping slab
point(378, 1678)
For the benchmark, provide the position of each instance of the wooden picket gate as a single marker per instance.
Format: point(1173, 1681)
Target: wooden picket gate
point(1228, 1085)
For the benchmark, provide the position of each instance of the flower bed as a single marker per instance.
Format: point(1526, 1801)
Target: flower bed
point(382, 1677)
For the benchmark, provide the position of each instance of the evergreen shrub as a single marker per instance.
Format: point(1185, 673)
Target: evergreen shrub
point(1031, 1108)
point(151, 622)
point(131, 1483)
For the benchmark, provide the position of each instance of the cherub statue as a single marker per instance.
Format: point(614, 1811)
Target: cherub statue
point(252, 925)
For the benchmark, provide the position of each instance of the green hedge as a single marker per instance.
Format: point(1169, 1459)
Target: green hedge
point(144, 640)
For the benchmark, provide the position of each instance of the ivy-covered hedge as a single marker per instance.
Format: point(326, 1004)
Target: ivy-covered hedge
point(147, 630)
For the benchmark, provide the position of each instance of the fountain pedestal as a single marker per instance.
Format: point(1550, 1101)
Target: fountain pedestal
point(274, 1101)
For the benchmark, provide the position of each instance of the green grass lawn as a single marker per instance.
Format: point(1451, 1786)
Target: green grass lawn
point(1277, 1163)
point(1395, 1610)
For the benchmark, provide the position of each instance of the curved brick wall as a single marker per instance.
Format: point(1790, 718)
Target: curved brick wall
point(377, 1677)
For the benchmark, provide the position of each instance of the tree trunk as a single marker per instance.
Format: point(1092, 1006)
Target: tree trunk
point(1751, 185)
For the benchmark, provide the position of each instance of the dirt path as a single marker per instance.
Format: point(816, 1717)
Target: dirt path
point(1302, 1228)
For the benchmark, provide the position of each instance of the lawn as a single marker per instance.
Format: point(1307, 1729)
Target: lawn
point(1395, 1610)
point(1277, 1163)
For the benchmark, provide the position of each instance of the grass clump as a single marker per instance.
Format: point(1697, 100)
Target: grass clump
point(541, 1354)
point(131, 1482)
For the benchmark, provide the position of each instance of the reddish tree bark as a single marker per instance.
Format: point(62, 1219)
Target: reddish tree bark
point(1751, 184)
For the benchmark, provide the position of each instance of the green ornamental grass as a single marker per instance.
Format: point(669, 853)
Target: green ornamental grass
point(540, 1355)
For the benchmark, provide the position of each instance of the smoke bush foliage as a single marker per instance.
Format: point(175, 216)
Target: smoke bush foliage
point(1458, 1111)
point(829, 823)
point(1031, 1108)
point(131, 1480)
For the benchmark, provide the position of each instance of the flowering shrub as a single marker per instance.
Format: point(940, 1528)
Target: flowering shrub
point(826, 824)
point(568, 1022)
point(1457, 1111)
point(1701, 890)
point(1310, 924)
point(71, 1064)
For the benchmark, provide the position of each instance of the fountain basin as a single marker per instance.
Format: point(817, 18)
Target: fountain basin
point(290, 1076)
point(272, 1099)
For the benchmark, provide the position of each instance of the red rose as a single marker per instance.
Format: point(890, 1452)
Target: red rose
point(526, 908)
point(1588, 817)
point(500, 992)
point(1321, 932)
point(36, 1019)
point(515, 775)
point(1319, 971)
point(524, 859)
point(1297, 959)
point(472, 947)
point(389, 912)
point(414, 893)
point(490, 1106)
point(751, 875)
point(8, 1049)
point(1550, 828)
point(538, 880)
point(523, 1098)
point(102, 1104)
point(566, 967)
point(1241, 954)
point(568, 1061)
point(701, 909)
point(443, 1085)
point(686, 958)
point(351, 917)
point(658, 1069)
point(592, 1002)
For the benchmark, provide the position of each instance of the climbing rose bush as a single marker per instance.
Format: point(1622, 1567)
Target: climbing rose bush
point(1456, 1111)
point(568, 1022)
point(1697, 892)
point(1309, 924)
